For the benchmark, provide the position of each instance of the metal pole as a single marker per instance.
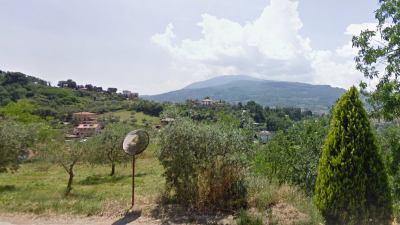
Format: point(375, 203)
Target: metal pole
point(133, 180)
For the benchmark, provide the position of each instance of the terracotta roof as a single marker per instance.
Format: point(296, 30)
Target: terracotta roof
point(87, 126)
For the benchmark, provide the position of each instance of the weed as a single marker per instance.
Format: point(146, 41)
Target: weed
point(246, 219)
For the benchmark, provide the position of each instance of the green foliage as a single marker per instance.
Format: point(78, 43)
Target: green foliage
point(64, 153)
point(106, 147)
point(247, 219)
point(204, 164)
point(38, 188)
point(390, 144)
point(380, 48)
point(257, 111)
point(292, 156)
point(19, 129)
point(352, 185)
point(58, 103)
point(20, 111)
point(148, 107)
point(14, 140)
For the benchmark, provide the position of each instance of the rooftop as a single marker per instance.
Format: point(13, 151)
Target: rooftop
point(84, 113)
point(87, 126)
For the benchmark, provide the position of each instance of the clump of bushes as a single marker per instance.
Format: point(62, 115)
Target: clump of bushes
point(352, 184)
point(292, 156)
point(205, 165)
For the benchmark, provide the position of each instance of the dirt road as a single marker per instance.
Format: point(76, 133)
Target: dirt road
point(27, 219)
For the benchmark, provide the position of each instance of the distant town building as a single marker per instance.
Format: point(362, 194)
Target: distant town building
point(84, 117)
point(207, 102)
point(84, 130)
point(130, 95)
point(265, 136)
point(87, 125)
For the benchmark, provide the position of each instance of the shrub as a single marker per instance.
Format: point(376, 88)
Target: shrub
point(390, 144)
point(352, 185)
point(292, 156)
point(204, 164)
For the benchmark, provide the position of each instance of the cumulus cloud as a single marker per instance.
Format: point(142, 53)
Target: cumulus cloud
point(269, 47)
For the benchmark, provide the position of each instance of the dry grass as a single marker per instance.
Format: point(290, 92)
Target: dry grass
point(281, 204)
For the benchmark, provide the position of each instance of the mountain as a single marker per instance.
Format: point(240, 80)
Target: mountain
point(221, 80)
point(234, 89)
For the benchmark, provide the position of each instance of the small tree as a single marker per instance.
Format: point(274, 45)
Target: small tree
point(352, 185)
point(14, 139)
point(106, 147)
point(66, 154)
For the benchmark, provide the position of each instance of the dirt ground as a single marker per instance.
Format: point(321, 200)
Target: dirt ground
point(164, 216)
point(28, 219)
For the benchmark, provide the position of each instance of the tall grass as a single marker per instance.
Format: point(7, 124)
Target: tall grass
point(264, 194)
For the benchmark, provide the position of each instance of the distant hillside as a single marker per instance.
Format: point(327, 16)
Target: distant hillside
point(269, 93)
point(54, 101)
point(221, 80)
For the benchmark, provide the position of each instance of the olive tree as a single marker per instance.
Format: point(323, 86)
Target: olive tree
point(15, 138)
point(205, 165)
point(66, 154)
point(106, 147)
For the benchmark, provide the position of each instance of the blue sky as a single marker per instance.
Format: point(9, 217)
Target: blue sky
point(161, 45)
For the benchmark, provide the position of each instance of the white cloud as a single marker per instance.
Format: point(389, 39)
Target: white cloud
point(269, 47)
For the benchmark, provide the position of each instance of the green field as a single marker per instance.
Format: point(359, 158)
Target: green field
point(139, 116)
point(38, 187)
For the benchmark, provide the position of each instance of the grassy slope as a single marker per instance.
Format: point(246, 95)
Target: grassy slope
point(126, 115)
point(38, 188)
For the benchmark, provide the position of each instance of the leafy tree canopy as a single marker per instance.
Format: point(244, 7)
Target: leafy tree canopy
point(379, 58)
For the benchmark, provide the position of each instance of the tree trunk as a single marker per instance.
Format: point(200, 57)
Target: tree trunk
point(70, 180)
point(69, 186)
point(112, 169)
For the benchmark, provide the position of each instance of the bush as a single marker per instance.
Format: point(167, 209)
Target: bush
point(352, 185)
point(292, 156)
point(390, 143)
point(204, 164)
point(148, 107)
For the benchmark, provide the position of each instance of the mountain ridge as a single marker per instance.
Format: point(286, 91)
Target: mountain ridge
point(234, 89)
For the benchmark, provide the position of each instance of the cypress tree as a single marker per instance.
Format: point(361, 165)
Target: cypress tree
point(352, 184)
